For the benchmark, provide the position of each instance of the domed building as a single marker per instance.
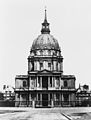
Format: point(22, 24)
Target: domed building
point(45, 85)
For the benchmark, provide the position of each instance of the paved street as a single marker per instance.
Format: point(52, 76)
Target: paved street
point(35, 116)
point(45, 113)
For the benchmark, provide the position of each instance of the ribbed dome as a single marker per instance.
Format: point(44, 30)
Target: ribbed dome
point(45, 41)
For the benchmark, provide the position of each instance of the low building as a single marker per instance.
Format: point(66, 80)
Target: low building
point(45, 85)
point(1, 96)
point(8, 92)
point(83, 96)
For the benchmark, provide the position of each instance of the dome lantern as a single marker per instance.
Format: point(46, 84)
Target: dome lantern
point(45, 26)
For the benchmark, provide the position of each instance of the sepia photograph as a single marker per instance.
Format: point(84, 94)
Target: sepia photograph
point(45, 60)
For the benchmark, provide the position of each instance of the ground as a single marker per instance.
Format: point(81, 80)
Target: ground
point(67, 113)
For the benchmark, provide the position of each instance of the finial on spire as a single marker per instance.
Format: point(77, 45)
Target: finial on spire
point(45, 14)
point(45, 25)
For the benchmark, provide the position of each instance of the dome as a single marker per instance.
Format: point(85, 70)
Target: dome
point(45, 41)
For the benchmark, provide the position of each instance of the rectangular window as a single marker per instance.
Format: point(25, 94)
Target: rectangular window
point(49, 52)
point(39, 81)
point(51, 81)
point(57, 96)
point(49, 66)
point(57, 82)
point(24, 83)
point(32, 66)
point(41, 66)
point(65, 84)
point(57, 66)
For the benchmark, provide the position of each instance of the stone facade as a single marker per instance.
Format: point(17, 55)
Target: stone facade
point(45, 85)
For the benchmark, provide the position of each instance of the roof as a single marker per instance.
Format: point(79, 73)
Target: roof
point(45, 41)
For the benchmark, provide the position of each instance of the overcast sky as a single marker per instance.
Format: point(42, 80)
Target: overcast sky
point(20, 24)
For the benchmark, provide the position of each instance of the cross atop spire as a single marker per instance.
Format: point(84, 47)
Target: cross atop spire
point(45, 25)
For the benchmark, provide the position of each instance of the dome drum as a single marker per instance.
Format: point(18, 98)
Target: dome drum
point(46, 52)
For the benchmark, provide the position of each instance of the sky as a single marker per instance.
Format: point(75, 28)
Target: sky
point(20, 24)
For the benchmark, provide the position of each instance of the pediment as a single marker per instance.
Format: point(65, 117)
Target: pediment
point(44, 71)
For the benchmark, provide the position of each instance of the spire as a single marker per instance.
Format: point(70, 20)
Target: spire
point(45, 15)
point(45, 25)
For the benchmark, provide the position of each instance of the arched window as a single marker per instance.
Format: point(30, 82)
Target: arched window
point(41, 52)
point(65, 83)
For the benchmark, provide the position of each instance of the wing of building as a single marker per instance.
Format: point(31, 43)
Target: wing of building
point(45, 85)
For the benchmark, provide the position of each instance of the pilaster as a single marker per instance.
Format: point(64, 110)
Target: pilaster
point(41, 82)
point(52, 82)
point(48, 82)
